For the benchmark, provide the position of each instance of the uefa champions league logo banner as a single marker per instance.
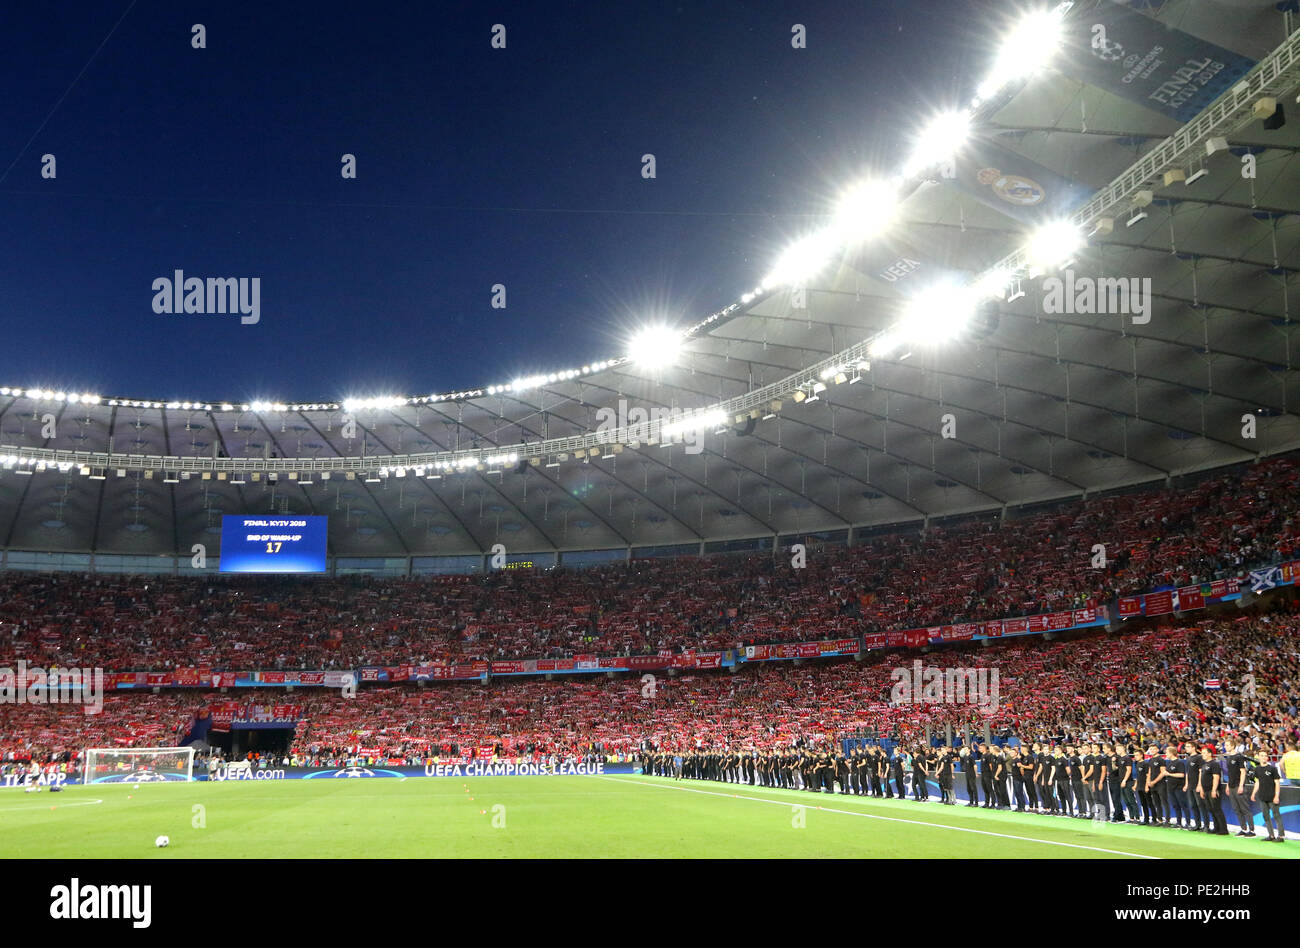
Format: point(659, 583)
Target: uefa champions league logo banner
point(473, 768)
point(892, 259)
point(1136, 58)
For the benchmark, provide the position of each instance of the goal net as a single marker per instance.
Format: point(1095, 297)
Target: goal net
point(139, 764)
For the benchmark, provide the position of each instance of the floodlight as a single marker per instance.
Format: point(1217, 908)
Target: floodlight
point(1028, 48)
point(866, 210)
point(1054, 244)
point(655, 347)
point(941, 138)
point(885, 343)
point(803, 259)
point(994, 283)
point(938, 313)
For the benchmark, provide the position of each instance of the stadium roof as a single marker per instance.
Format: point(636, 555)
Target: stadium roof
point(1019, 406)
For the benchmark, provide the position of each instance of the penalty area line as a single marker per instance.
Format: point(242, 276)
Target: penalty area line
point(888, 819)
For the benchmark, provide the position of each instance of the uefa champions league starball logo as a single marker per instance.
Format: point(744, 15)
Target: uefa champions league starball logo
point(1102, 47)
point(354, 772)
point(1109, 52)
point(145, 775)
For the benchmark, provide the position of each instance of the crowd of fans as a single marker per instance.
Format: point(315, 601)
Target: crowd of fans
point(1222, 677)
point(980, 569)
point(1140, 687)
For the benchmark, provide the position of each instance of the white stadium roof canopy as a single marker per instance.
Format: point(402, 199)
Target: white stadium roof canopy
point(822, 396)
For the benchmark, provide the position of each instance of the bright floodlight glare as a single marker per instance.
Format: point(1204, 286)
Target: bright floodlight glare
point(697, 421)
point(995, 283)
point(884, 344)
point(655, 347)
point(865, 210)
point(937, 313)
point(1028, 48)
point(1054, 244)
point(803, 259)
point(943, 136)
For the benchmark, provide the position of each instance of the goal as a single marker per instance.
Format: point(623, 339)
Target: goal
point(139, 764)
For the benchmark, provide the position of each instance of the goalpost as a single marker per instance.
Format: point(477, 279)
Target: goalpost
point(139, 765)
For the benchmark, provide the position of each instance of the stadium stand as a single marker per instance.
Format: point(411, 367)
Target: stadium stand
point(980, 569)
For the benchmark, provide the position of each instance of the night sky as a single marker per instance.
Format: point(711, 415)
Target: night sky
point(475, 165)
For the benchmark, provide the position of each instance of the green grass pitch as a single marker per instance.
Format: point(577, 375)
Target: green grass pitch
point(614, 816)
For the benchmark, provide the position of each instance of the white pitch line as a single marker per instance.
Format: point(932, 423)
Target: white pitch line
point(41, 806)
point(890, 819)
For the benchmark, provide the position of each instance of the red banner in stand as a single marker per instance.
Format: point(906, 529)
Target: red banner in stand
point(647, 661)
point(1191, 597)
point(1158, 603)
point(956, 633)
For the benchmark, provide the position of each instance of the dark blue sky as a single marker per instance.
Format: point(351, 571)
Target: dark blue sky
point(475, 166)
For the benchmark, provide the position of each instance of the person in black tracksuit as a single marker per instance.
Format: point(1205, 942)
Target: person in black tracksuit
point(1128, 782)
point(1000, 779)
point(1061, 775)
point(897, 764)
point(920, 773)
point(1015, 765)
point(1192, 760)
point(1158, 786)
point(988, 767)
point(1043, 774)
point(1100, 782)
point(1141, 777)
point(1118, 773)
point(1081, 800)
point(1212, 791)
point(826, 771)
point(1028, 767)
point(947, 757)
point(1239, 766)
point(1267, 793)
point(1089, 765)
point(968, 762)
point(1174, 771)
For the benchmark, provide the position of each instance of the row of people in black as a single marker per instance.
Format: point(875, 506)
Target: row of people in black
point(1181, 786)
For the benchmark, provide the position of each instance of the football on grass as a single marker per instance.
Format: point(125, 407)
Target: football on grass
point(161, 841)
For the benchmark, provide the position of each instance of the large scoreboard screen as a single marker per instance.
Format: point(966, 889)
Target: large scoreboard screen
point(273, 544)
